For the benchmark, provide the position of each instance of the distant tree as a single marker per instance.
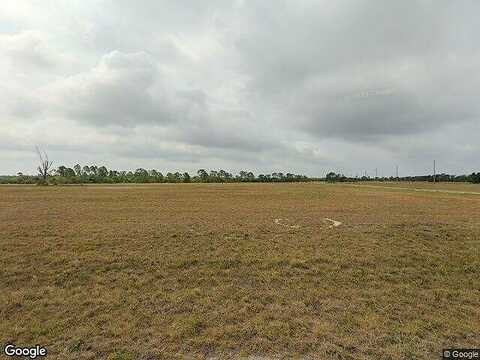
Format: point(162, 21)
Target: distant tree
point(222, 175)
point(160, 177)
point(228, 176)
point(141, 172)
point(78, 170)
point(69, 173)
point(140, 175)
point(242, 175)
point(202, 174)
point(102, 171)
point(44, 167)
point(61, 171)
point(213, 177)
point(475, 178)
point(186, 177)
point(178, 176)
point(331, 177)
point(170, 177)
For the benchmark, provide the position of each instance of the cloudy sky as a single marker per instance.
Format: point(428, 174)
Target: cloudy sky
point(300, 86)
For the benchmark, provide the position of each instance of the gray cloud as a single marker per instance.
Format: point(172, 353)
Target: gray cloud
point(116, 91)
point(271, 85)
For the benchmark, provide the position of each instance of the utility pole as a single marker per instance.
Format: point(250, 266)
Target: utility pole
point(376, 173)
point(397, 172)
point(434, 171)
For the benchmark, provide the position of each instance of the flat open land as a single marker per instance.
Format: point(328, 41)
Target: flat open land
point(240, 270)
point(424, 186)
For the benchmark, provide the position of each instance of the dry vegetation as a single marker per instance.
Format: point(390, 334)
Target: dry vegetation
point(429, 186)
point(202, 270)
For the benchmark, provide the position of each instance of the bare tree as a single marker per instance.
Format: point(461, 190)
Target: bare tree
point(45, 164)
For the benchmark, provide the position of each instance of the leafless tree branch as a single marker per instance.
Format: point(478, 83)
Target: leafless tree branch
point(45, 164)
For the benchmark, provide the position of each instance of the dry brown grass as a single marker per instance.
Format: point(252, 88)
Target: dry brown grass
point(428, 186)
point(198, 271)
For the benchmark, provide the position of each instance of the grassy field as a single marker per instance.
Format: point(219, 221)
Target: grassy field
point(206, 271)
point(429, 186)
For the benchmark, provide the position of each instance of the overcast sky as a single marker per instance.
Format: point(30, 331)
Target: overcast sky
point(300, 86)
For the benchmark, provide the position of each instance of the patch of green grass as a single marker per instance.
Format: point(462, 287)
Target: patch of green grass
point(120, 355)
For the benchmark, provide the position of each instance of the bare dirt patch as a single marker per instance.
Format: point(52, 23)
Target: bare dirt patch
point(285, 223)
point(334, 223)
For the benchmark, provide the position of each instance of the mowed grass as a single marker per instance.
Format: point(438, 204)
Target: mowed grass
point(203, 271)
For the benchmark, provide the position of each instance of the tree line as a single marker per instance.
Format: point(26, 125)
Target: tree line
point(472, 178)
point(101, 174)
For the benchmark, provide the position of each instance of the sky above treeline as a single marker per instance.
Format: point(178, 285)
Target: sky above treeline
point(301, 86)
